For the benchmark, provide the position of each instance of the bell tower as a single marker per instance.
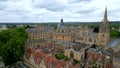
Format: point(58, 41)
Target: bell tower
point(104, 31)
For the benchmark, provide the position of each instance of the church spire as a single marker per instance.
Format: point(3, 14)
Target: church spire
point(105, 19)
point(104, 28)
point(104, 31)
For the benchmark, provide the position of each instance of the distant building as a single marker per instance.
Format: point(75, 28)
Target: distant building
point(39, 36)
point(3, 27)
point(81, 34)
point(62, 33)
point(86, 34)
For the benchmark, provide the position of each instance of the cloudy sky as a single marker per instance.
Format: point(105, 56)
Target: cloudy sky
point(54, 10)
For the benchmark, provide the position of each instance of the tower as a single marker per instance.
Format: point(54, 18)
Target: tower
point(104, 31)
point(61, 25)
point(61, 21)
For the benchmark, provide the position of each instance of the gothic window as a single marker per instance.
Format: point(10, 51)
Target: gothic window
point(63, 37)
point(103, 35)
point(71, 54)
point(62, 31)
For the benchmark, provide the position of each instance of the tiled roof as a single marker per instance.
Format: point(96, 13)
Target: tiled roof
point(96, 57)
point(28, 53)
point(39, 56)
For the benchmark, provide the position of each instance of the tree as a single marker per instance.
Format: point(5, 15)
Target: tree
point(114, 33)
point(75, 61)
point(65, 58)
point(94, 46)
point(61, 56)
point(28, 26)
point(96, 29)
point(12, 44)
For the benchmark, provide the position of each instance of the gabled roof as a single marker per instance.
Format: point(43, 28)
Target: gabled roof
point(39, 56)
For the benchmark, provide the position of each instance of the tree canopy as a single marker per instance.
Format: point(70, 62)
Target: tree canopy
point(61, 56)
point(114, 33)
point(12, 44)
point(94, 46)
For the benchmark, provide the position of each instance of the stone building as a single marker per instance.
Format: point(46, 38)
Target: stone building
point(76, 51)
point(87, 36)
point(71, 53)
point(104, 31)
point(39, 36)
point(81, 34)
point(99, 58)
point(39, 59)
point(62, 33)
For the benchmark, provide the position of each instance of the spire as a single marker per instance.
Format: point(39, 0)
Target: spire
point(104, 25)
point(105, 20)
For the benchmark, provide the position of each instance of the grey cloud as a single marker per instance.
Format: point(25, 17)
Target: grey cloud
point(3, 0)
point(87, 11)
point(53, 10)
point(52, 5)
point(76, 1)
point(3, 5)
point(18, 11)
point(114, 13)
